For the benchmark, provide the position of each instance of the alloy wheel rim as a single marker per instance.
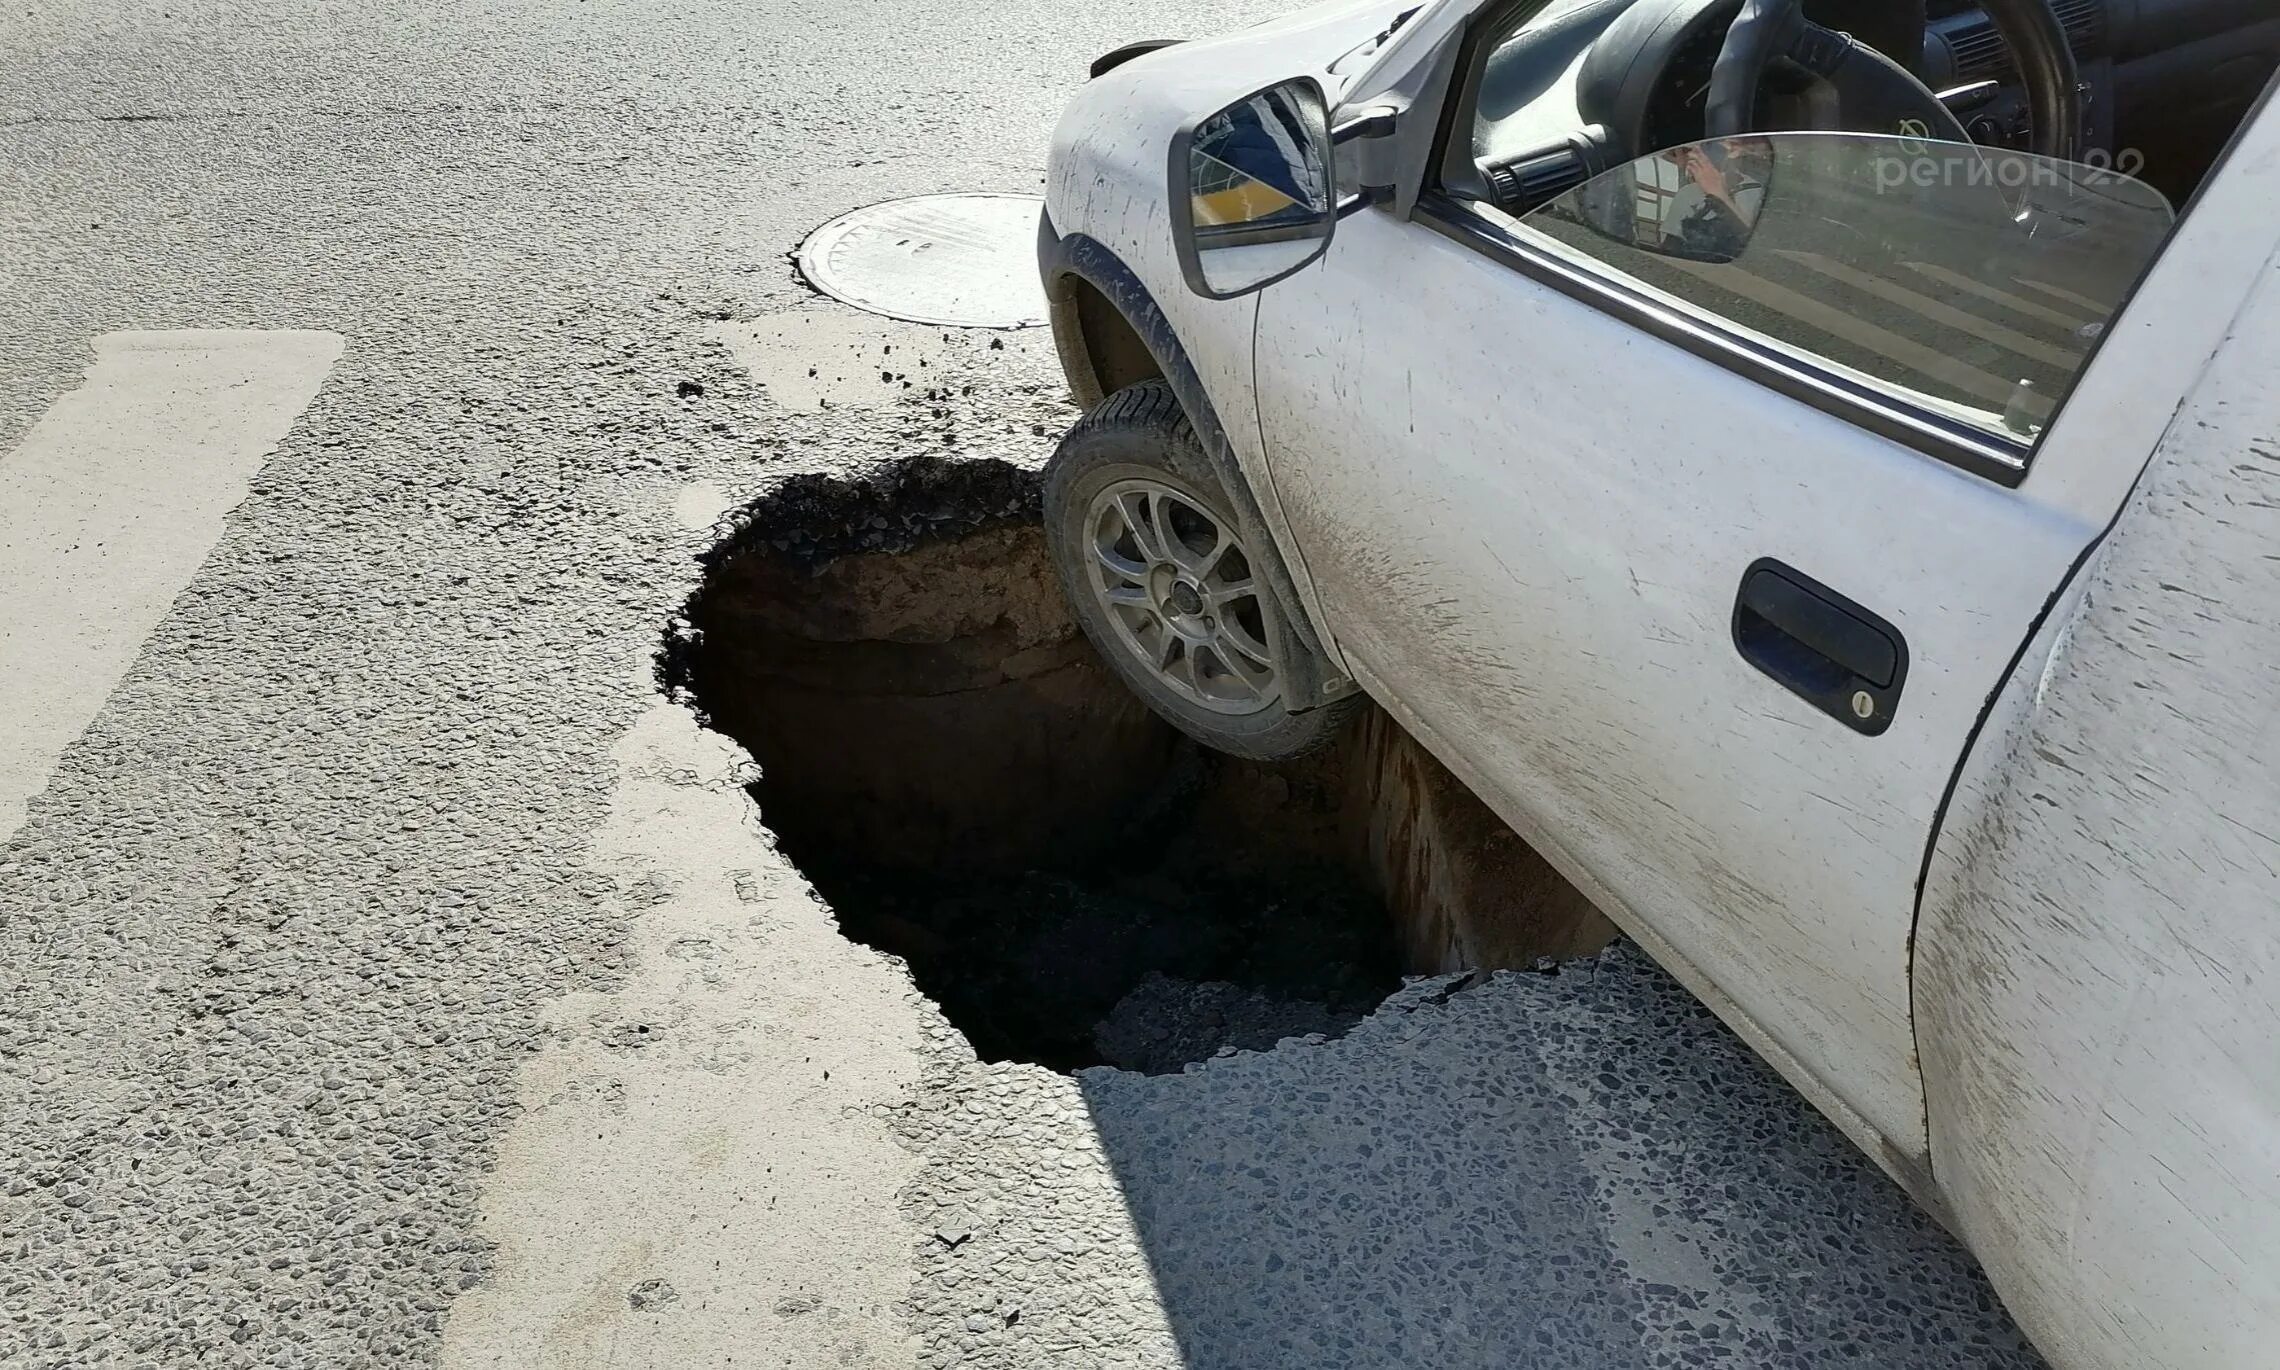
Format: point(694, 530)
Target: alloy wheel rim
point(1183, 596)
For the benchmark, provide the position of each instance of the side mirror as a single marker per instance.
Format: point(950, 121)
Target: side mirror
point(1251, 195)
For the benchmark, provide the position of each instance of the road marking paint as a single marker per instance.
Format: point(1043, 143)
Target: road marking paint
point(109, 506)
point(811, 360)
point(700, 506)
point(743, 1157)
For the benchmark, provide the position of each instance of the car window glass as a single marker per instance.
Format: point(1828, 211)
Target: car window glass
point(1968, 280)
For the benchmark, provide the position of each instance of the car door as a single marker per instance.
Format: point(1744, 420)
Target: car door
point(1685, 516)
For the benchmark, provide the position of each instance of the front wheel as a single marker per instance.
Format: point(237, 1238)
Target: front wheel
point(1153, 563)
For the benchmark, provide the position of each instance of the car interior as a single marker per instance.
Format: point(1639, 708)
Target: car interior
point(1563, 91)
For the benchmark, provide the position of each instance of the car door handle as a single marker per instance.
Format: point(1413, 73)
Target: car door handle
point(1837, 656)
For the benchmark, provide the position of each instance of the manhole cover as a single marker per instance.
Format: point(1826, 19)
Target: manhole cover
point(965, 260)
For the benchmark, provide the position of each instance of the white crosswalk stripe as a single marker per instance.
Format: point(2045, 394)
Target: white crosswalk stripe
point(111, 503)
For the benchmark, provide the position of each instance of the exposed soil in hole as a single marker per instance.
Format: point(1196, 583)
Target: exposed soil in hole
point(1070, 879)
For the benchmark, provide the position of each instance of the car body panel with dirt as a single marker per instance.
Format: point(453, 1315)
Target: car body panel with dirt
point(1820, 501)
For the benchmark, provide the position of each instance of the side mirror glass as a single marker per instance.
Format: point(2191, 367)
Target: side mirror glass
point(1250, 190)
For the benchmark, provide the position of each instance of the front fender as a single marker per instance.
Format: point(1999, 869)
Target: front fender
point(1106, 169)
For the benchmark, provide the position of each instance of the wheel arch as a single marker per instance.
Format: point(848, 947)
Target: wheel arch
point(1101, 352)
point(1111, 333)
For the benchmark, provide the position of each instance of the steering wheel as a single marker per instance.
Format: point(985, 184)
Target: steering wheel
point(1766, 29)
point(1670, 71)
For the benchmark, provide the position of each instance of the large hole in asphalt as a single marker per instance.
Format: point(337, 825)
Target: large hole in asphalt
point(1071, 880)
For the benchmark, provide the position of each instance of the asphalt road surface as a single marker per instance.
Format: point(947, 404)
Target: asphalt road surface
point(388, 975)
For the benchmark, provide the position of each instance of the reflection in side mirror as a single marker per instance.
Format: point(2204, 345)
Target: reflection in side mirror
point(1251, 190)
point(1699, 203)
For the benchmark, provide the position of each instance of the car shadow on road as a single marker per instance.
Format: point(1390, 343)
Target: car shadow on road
point(1577, 1170)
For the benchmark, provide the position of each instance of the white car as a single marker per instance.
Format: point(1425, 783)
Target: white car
point(1837, 521)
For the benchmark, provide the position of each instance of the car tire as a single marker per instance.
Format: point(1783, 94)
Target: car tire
point(1153, 562)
